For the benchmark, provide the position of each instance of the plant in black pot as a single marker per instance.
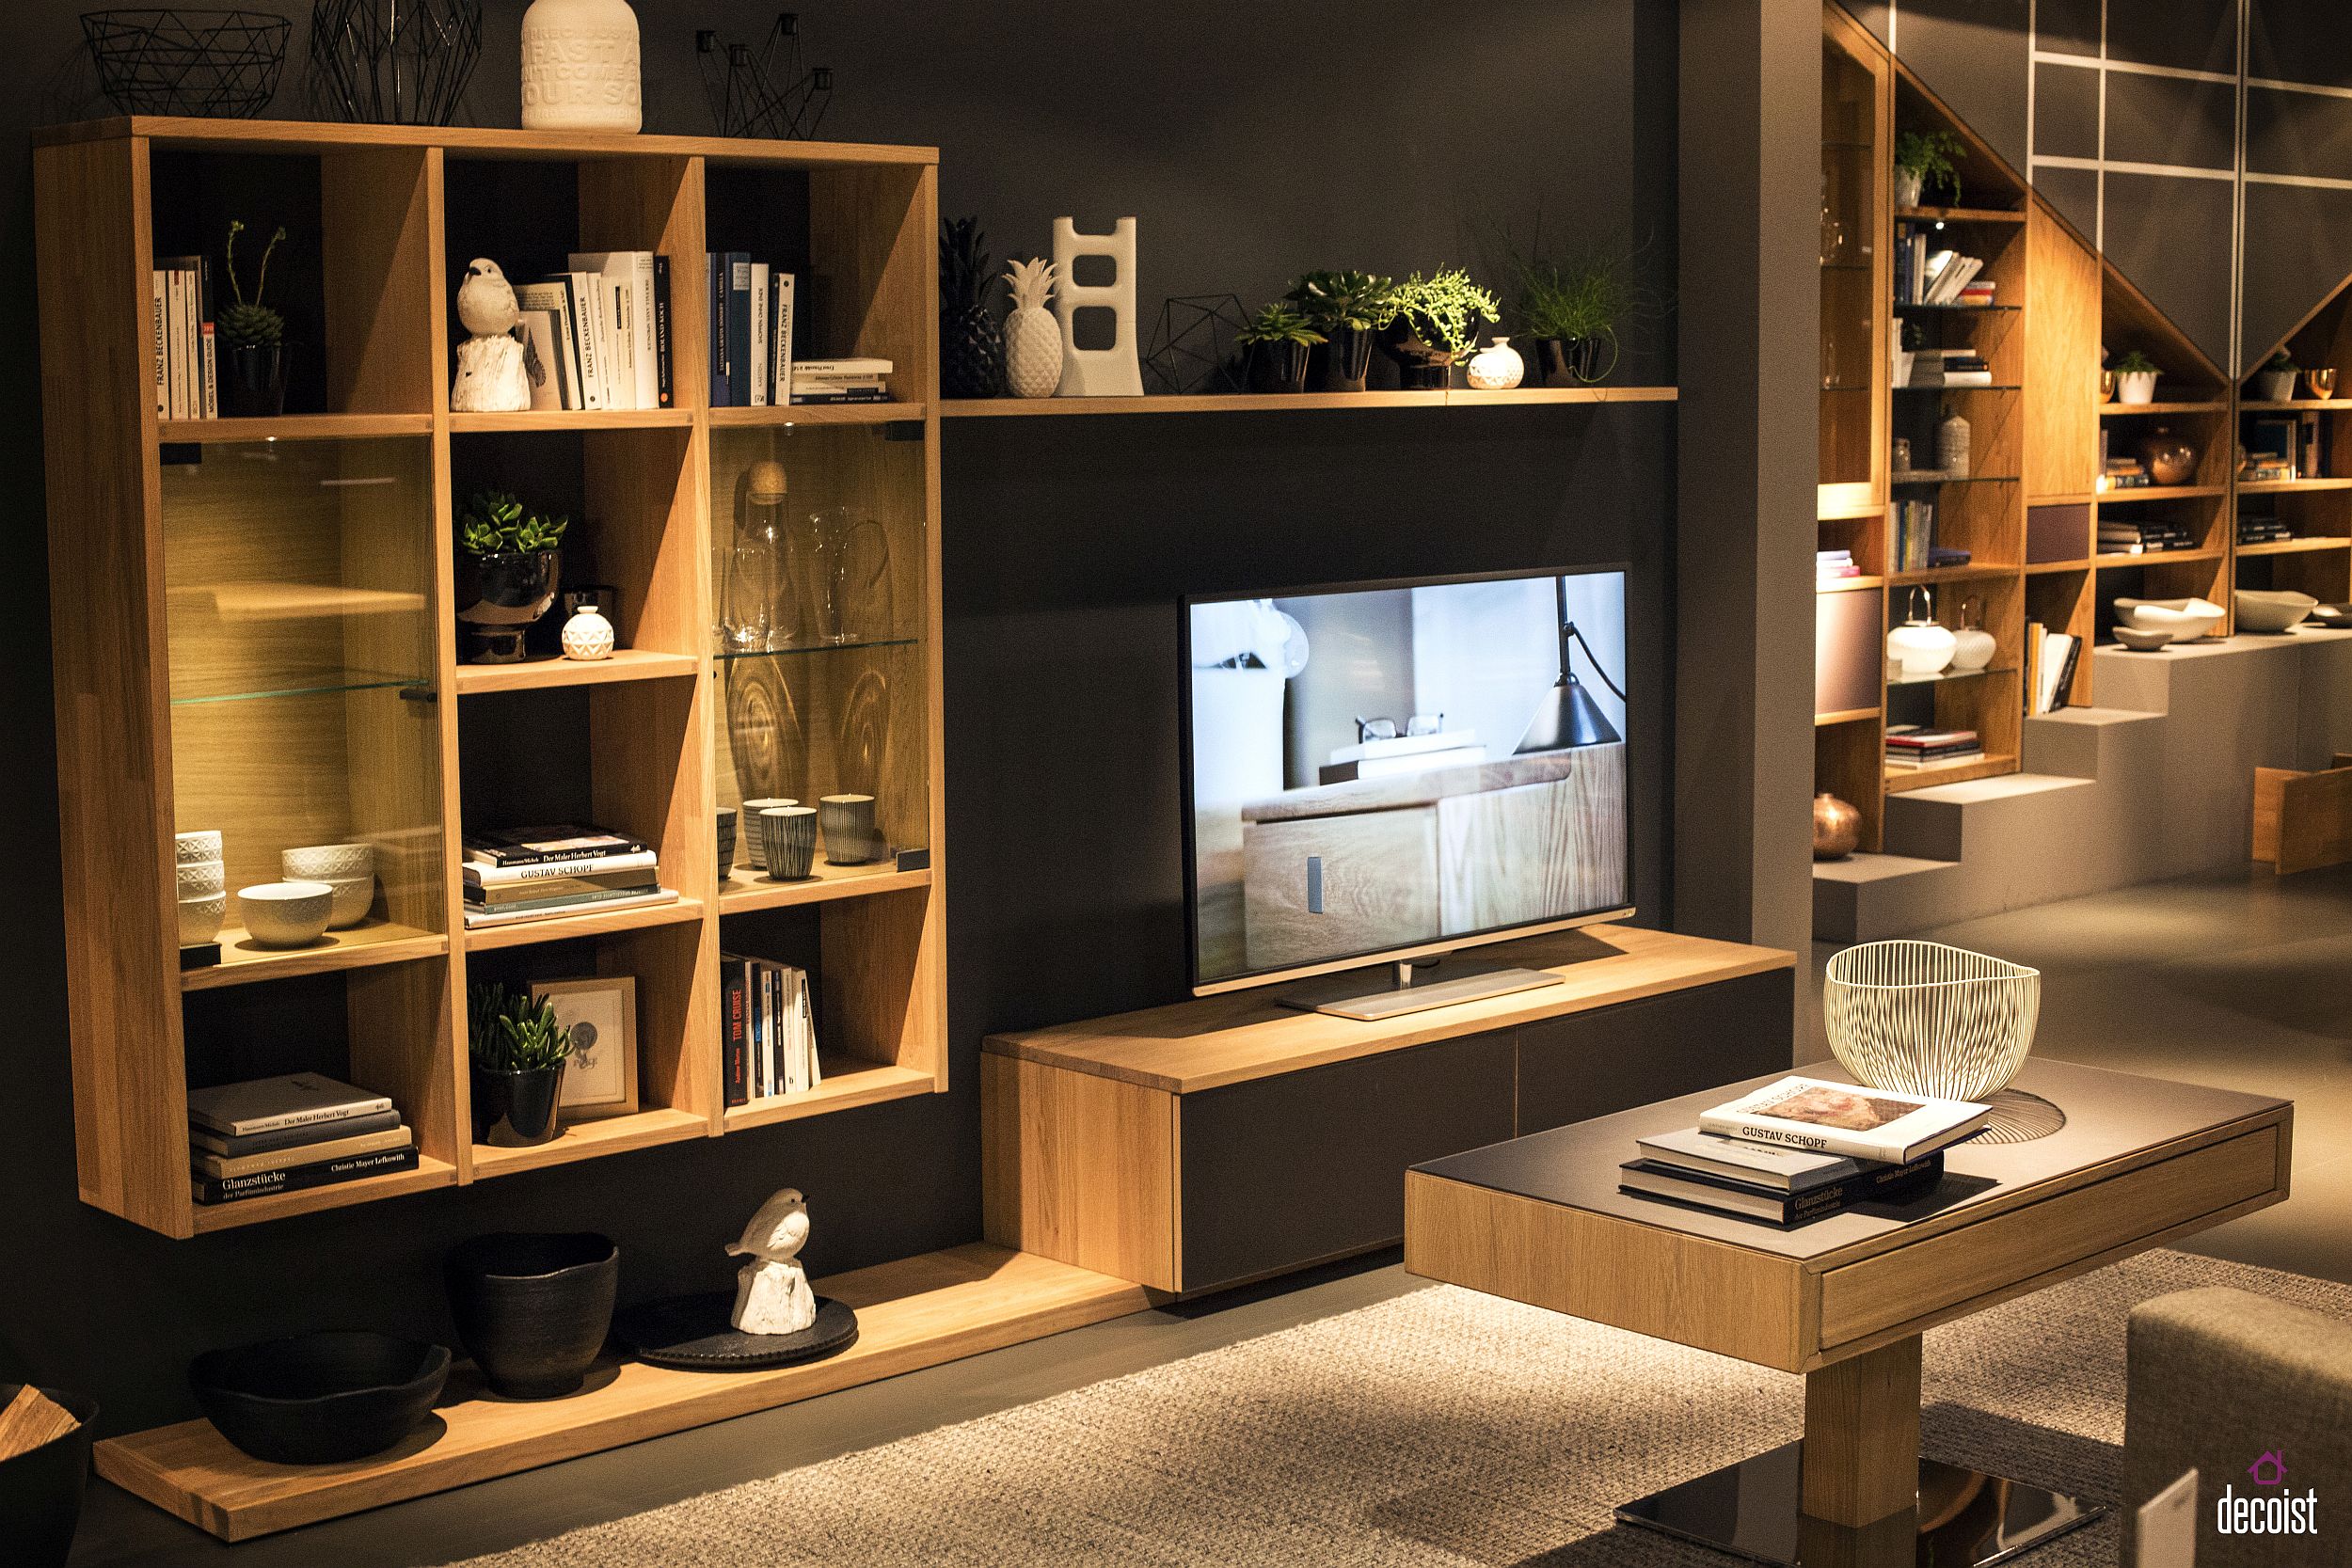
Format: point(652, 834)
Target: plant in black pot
point(1341, 305)
point(533, 1311)
point(1276, 341)
point(507, 561)
point(1574, 308)
point(518, 1050)
point(971, 342)
point(252, 339)
point(1426, 323)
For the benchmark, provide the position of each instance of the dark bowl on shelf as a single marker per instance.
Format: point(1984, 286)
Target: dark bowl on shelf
point(533, 1309)
point(318, 1399)
point(41, 1489)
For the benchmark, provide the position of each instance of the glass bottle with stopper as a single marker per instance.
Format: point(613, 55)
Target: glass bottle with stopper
point(758, 589)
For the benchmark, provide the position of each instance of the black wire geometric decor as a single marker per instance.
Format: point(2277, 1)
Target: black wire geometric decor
point(222, 64)
point(764, 93)
point(1193, 348)
point(394, 62)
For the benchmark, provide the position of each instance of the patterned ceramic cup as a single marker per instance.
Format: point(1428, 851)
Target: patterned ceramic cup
point(789, 842)
point(849, 835)
point(755, 852)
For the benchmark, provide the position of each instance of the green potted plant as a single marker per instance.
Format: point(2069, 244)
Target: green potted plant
point(1924, 159)
point(507, 566)
point(1426, 323)
point(1341, 305)
point(252, 339)
point(1573, 308)
point(518, 1050)
point(2135, 378)
point(2275, 381)
point(1276, 341)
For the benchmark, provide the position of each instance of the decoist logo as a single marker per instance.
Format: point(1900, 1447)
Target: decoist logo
point(2281, 1514)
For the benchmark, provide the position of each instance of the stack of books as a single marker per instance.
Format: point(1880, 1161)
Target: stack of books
point(2261, 529)
point(1926, 277)
point(1979, 293)
point(1916, 746)
point(2124, 473)
point(2050, 659)
point(750, 331)
point(841, 381)
point(770, 1030)
point(1914, 534)
point(517, 873)
point(1402, 754)
point(283, 1135)
point(1829, 565)
point(1951, 366)
point(2139, 535)
point(1803, 1149)
point(187, 374)
point(601, 332)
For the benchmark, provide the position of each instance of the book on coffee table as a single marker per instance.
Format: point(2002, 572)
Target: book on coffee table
point(1860, 1123)
point(1778, 1206)
point(1789, 1170)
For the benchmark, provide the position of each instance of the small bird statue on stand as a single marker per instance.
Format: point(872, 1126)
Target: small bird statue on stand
point(493, 372)
point(771, 1294)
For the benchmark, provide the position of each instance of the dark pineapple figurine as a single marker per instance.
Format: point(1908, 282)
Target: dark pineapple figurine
point(971, 344)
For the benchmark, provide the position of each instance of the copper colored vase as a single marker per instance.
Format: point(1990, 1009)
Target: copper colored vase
point(2169, 459)
point(1837, 828)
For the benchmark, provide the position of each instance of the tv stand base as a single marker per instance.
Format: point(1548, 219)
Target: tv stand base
point(1347, 996)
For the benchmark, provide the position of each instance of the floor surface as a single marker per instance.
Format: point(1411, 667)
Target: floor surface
point(2241, 981)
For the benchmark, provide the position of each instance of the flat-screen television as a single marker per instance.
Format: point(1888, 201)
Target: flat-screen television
point(1380, 772)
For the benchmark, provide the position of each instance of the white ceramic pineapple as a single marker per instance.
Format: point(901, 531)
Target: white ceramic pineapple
point(1032, 333)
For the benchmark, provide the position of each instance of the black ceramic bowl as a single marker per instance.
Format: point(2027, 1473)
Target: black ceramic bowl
point(319, 1397)
point(533, 1311)
point(41, 1489)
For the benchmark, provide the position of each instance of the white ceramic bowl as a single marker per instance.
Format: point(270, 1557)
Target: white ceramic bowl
point(2185, 619)
point(202, 845)
point(286, 915)
point(354, 897)
point(201, 879)
point(328, 863)
point(200, 918)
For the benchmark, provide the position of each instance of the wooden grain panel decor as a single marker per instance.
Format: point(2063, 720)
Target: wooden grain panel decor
point(2303, 821)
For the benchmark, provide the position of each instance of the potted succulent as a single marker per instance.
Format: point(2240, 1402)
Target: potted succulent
point(971, 344)
point(1341, 305)
point(508, 560)
point(2275, 381)
point(252, 339)
point(1426, 323)
point(2135, 378)
point(1276, 341)
point(1922, 159)
point(518, 1050)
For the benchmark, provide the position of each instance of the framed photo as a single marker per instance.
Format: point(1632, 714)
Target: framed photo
point(601, 1077)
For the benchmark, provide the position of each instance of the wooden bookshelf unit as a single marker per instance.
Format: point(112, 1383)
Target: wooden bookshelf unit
point(254, 629)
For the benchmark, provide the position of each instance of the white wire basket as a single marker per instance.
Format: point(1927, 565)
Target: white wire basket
point(1921, 1018)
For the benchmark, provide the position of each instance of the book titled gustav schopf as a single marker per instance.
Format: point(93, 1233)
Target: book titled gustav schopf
point(1846, 1119)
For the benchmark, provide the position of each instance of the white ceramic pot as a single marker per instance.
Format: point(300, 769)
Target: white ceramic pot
point(579, 67)
point(200, 918)
point(201, 879)
point(1908, 183)
point(286, 915)
point(587, 635)
point(203, 845)
point(2273, 386)
point(1904, 359)
point(2185, 619)
point(1920, 647)
point(328, 863)
point(2136, 387)
point(354, 897)
point(1496, 368)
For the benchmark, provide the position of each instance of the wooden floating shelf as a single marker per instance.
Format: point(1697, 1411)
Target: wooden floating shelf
point(1950, 574)
point(745, 890)
point(2139, 492)
point(627, 664)
point(816, 413)
point(563, 928)
point(1298, 403)
point(581, 1140)
point(914, 1313)
point(2294, 546)
point(429, 1173)
point(245, 135)
point(2109, 408)
point(848, 1082)
point(1957, 214)
point(1901, 781)
point(1852, 716)
point(2108, 563)
point(2288, 487)
point(2296, 405)
point(293, 427)
point(1848, 585)
point(2039, 569)
point(243, 961)
point(571, 418)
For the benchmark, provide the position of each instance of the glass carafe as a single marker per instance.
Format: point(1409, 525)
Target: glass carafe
point(759, 586)
point(843, 561)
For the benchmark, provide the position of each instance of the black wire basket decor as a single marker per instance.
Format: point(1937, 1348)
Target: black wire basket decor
point(394, 62)
point(766, 91)
point(217, 64)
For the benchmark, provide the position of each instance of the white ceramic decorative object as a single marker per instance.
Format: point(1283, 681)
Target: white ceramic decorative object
point(1096, 373)
point(1032, 332)
point(2185, 619)
point(1921, 1018)
point(1905, 359)
point(587, 635)
point(1920, 647)
point(492, 374)
point(1496, 368)
point(2274, 385)
point(354, 897)
point(201, 879)
point(579, 67)
point(286, 915)
point(1972, 646)
point(200, 918)
point(1953, 441)
point(1909, 183)
point(2271, 611)
point(328, 863)
point(2136, 387)
point(771, 1294)
point(202, 845)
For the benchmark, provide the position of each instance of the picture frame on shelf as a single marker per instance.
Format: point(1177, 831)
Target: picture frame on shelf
point(600, 1079)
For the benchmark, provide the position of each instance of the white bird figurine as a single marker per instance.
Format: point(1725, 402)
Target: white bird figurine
point(493, 372)
point(771, 1294)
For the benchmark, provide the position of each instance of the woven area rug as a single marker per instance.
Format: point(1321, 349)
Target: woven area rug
point(1443, 1427)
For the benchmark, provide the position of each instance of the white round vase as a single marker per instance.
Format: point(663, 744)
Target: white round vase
point(587, 635)
point(579, 67)
point(1920, 647)
point(1496, 368)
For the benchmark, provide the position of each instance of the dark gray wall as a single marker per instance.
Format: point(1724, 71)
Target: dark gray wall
point(1066, 541)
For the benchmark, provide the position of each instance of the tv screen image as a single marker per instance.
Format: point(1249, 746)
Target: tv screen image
point(1381, 768)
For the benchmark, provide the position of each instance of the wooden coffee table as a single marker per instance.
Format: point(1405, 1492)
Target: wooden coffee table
point(2139, 1161)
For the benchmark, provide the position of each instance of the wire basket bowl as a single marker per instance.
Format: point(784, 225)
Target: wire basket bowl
point(1921, 1018)
point(220, 64)
point(394, 62)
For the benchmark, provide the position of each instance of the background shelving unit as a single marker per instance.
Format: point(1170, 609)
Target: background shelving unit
point(253, 630)
point(2317, 506)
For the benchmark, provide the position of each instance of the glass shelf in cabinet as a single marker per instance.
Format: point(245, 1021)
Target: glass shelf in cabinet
point(801, 649)
point(315, 683)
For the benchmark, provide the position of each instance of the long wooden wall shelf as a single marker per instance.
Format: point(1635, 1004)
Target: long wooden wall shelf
point(1299, 402)
point(914, 1313)
point(299, 682)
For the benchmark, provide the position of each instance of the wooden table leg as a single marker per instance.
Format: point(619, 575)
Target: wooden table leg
point(1862, 1436)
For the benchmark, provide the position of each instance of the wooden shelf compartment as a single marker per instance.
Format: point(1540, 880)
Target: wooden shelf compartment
point(2292, 547)
point(849, 1082)
point(375, 940)
point(1973, 572)
point(2295, 405)
point(429, 1173)
point(1848, 585)
point(1852, 716)
point(1959, 214)
point(581, 1140)
point(2139, 495)
point(471, 142)
point(914, 1313)
point(2124, 410)
point(745, 888)
point(2291, 486)
point(1901, 781)
point(894, 412)
point(549, 420)
point(290, 427)
point(2157, 557)
point(592, 923)
point(625, 664)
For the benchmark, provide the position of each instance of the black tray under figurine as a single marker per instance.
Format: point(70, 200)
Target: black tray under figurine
point(696, 1334)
